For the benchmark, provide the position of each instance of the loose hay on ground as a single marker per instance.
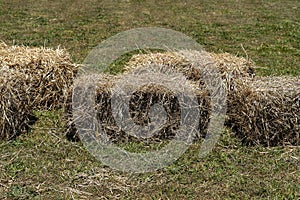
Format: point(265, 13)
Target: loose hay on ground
point(266, 110)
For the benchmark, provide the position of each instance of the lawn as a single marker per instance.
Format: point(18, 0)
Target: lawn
point(44, 165)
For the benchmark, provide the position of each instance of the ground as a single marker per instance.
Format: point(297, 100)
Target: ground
point(43, 164)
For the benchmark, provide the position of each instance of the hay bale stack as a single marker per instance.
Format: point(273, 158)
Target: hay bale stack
point(49, 71)
point(263, 110)
point(229, 66)
point(266, 110)
point(31, 79)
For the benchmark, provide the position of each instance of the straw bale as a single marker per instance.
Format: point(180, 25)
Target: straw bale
point(266, 110)
point(15, 111)
point(102, 107)
point(50, 72)
point(229, 66)
point(31, 79)
point(268, 116)
point(140, 104)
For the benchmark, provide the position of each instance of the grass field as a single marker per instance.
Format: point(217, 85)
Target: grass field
point(44, 165)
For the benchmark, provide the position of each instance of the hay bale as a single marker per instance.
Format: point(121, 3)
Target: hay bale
point(50, 72)
point(266, 110)
point(31, 79)
point(103, 107)
point(140, 103)
point(15, 109)
point(230, 67)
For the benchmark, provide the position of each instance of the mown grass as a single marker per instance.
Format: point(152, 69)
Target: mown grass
point(43, 164)
point(268, 30)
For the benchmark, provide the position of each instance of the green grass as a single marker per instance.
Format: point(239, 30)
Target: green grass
point(44, 165)
point(268, 30)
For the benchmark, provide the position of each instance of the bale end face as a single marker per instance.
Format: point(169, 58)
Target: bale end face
point(266, 111)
